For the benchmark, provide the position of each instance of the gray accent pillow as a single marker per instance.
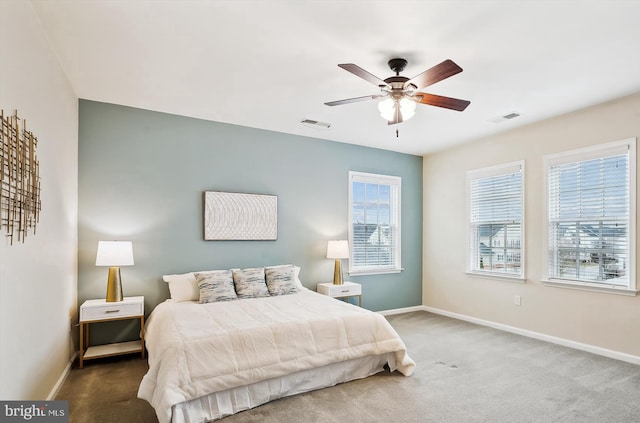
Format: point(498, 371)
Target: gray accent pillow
point(250, 283)
point(216, 285)
point(281, 280)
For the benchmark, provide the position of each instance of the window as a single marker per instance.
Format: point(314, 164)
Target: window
point(374, 228)
point(496, 229)
point(591, 233)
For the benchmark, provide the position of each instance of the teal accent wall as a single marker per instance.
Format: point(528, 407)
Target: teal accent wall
point(143, 174)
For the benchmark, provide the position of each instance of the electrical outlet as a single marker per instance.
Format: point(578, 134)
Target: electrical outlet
point(516, 300)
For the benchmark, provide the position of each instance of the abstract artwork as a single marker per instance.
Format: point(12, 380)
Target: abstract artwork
point(238, 216)
point(19, 178)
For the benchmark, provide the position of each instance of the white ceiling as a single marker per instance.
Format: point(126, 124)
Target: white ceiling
point(270, 64)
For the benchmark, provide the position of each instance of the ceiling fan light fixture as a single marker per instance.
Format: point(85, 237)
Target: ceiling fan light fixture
point(407, 108)
point(387, 108)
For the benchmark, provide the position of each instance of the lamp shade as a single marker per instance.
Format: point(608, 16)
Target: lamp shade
point(338, 249)
point(407, 108)
point(387, 108)
point(114, 253)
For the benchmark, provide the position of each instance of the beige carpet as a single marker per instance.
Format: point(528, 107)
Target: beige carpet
point(465, 373)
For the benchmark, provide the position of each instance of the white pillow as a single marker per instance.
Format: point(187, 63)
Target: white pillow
point(297, 276)
point(183, 287)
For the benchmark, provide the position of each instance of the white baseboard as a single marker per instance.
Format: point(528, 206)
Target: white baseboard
point(401, 310)
point(62, 378)
point(537, 335)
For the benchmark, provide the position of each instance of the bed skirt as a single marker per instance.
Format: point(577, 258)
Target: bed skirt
point(231, 401)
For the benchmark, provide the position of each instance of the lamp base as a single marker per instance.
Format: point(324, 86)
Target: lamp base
point(114, 285)
point(337, 273)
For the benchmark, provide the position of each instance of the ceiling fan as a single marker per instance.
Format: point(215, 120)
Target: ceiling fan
point(400, 94)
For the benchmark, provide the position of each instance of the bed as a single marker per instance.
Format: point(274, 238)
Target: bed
point(209, 360)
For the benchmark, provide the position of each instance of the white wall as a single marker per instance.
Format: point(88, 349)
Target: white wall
point(38, 278)
point(603, 320)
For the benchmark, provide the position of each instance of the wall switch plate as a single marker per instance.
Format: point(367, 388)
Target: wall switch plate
point(516, 300)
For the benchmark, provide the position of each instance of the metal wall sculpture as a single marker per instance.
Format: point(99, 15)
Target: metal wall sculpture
point(19, 178)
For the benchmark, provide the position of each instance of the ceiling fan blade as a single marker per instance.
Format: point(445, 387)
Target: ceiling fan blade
point(352, 100)
point(436, 74)
point(440, 101)
point(358, 71)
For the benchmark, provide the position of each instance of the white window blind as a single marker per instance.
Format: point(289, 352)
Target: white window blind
point(590, 209)
point(496, 229)
point(374, 216)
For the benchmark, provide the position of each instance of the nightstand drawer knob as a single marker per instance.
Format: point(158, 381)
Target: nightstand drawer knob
point(112, 311)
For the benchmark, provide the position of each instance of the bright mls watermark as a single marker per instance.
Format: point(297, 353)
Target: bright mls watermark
point(34, 411)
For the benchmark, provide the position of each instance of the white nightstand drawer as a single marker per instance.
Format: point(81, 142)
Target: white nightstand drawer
point(100, 309)
point(345, 290)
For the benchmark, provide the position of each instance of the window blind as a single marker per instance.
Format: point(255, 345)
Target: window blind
point(589, 217)
point(496, 231)
point(375, 223)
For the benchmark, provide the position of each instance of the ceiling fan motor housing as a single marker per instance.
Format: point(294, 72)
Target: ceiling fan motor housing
point(397, 83)
point(397, 65)
point(397, 86)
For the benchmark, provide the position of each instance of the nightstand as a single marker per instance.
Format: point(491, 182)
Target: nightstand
point(96, 311)
point(346, 290)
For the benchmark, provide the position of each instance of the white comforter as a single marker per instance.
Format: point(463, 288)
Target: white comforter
point(196, 349)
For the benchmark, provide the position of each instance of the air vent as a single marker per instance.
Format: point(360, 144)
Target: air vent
point(316, 124)
point(504, 118)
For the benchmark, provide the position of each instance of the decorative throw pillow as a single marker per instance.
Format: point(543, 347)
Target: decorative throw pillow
point(250, 283)
point(183, 287)
point(215, 286)
point(281, 280)
point(296, 273)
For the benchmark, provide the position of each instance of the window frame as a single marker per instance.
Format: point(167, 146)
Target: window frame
point(582, 155)
point(487, 172)
point(395, 183)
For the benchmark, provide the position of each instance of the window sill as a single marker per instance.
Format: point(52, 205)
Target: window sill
point(373, 272)
point(585, 286)
point(506, 278)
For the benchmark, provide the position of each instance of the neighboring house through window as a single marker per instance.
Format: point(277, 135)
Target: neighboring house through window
point(496, 224)
point(590, 199)
point(374, 223)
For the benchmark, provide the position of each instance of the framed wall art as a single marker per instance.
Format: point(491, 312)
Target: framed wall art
point(238, 216)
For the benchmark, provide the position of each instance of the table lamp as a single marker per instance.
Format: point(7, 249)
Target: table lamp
point(337, 250)
point(114, 254)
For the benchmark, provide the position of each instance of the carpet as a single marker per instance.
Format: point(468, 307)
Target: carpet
point(465, 373)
